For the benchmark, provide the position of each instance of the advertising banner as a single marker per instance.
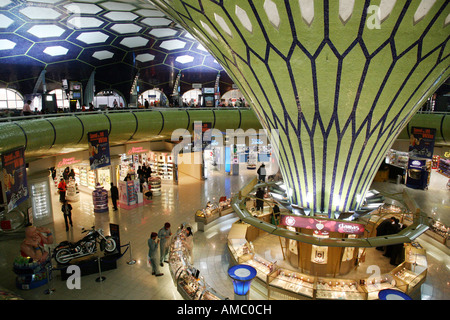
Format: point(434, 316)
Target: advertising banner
point(421, 142)
point(322, 225)
point(14, 177)
point(99, 149)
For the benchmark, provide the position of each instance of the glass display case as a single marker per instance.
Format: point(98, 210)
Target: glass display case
point(188, 285)
point(225, 207)
point(415, 254)
point(155, 185)
point(413, 275)
point(240, 249)
point(345, 289)
point(374, 284)
point(291, 283)
point(210, 213)
point(263, 267)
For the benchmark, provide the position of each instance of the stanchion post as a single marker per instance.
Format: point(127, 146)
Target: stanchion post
point(132, 261)
point(100, 278)
point(48, 291)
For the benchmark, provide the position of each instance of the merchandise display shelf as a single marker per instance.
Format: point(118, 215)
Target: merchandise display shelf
point(186, 278)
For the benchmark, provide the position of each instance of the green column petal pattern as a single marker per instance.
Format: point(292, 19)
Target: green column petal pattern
point(338, 83)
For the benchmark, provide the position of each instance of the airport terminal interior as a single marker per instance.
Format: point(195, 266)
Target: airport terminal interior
point(304, 144)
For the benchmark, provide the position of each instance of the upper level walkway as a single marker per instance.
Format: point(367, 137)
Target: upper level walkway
point(52, 134)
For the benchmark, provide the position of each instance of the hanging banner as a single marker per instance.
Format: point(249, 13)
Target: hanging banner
point(15, 177)
point(322, 225)
point(421, 142)
point(99, 149)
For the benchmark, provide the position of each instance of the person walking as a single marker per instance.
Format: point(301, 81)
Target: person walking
point(164, 235)
point(67, 211)
point(62, 187)
point(114, 195)
point(260, 200)
point(262, 173)
point(153, 254)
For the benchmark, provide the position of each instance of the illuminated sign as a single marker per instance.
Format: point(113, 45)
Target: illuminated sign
point(322, 225)
point(134, 150)
point(66, 162)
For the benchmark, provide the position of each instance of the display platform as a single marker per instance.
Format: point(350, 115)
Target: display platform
point(89, 265)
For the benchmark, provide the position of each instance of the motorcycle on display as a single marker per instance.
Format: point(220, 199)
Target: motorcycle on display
point(66, 251)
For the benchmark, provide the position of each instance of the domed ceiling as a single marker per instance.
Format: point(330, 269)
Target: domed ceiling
point(119, 40)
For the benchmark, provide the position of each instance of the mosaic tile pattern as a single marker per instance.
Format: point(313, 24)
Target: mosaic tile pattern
point(70, 39)
point(339, 80)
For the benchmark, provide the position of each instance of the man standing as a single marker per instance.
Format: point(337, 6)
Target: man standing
point(153, 254)
point(164, 236)
point(67, 211)
point(262, 173)
point(27, 108)
point(114, 195)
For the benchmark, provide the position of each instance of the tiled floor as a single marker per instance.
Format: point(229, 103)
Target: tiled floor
point(177, 205)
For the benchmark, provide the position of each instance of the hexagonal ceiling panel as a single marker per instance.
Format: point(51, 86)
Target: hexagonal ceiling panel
point(116, 39)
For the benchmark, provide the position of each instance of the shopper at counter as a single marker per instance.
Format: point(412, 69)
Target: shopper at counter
point(190, 243)
point(164, 235)
point(260, 200)
point(153, 254)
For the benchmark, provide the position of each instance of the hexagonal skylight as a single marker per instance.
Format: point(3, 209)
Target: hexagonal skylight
point(117, 6)
point(145, 57)
point(172, 44)
point(87, 8)
point(184, 59)
point(6, 44)
point(84, 22)
point(46, 30)
point(93, 37)
point(163, 32)
point(120, 16)
point(126, 28)
point(5, 22)
point(133, 42)
point(156, 22)
point(102, 55)
point(4, 3)
point(40, 13)
point(56, 51)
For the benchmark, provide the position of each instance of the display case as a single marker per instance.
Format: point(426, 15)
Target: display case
point(165, 168)
point(91, 179)
point(207, 215)
point(83, 176)
point(155, 185)
point(100, 199)
point(319, 254)
point(439, 231)
point(397, 158)
point(240, 249)
point(342, 289)
point(41, 202)
point(415, 254)
point(290, 283)
point(413, 275)
point(263, 267)
point(208, 293)
point(72, 193)
point(188, 285)
point(374, 284)
point(225, 206)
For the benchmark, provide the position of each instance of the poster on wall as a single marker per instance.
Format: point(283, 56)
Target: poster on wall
point(99, 149)
point(14, 177)
point(421, 142)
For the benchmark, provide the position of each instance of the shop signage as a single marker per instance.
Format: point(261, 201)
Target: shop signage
point(322, 225)
point(67, 162)
point(421, 142)
point(14, 177)
point(99, 155)
point(135, 148)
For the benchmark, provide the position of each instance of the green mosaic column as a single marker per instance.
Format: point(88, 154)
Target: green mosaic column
point(338, 79)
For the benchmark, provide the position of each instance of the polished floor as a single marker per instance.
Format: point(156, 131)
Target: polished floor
point(176, 205)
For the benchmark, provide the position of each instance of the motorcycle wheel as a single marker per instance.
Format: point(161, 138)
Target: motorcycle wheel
point(63, 256)
point(109, 245)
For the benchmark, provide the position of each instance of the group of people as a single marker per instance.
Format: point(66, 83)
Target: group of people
point(387, 227)
point(163, 239)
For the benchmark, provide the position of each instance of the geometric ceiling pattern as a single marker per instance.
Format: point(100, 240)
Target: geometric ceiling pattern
point(338, 80)
point(116, 39)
